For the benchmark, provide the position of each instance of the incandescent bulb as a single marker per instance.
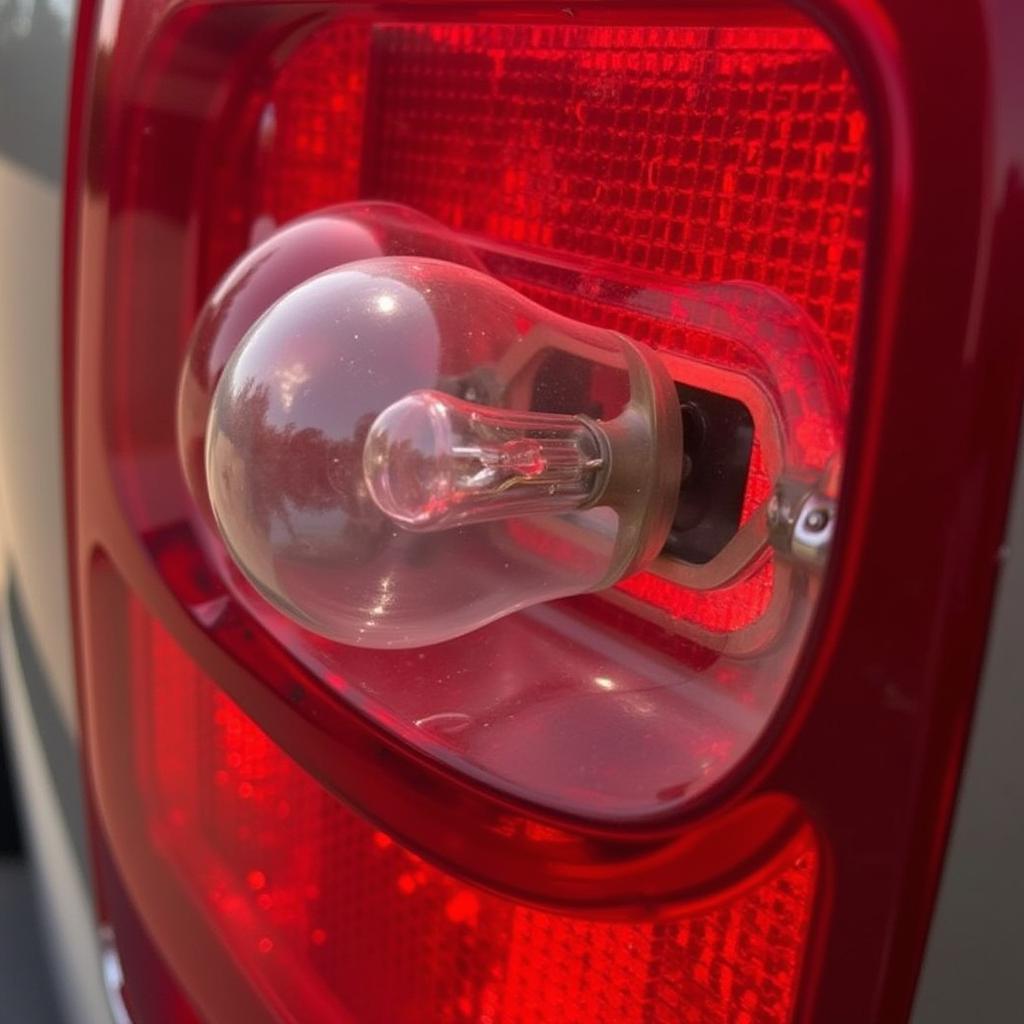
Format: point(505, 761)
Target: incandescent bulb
point(395, 448)
point(293, 254)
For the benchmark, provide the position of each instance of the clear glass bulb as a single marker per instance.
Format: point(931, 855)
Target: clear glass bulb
point(296, 252)
point(393, 447)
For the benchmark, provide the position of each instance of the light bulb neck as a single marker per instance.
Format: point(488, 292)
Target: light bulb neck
point(432, 462)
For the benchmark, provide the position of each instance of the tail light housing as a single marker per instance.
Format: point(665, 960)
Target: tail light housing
point(744, 817)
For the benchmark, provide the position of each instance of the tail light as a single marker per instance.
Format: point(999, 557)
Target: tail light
point(715, 792)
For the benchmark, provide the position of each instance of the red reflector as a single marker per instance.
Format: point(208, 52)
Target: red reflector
point(703, 153)
point(596, 169)
point(330, 917)
point(611, 794)
point(556, 757)
point(300, 135)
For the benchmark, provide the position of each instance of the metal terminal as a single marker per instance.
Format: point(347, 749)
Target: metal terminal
point(801, 522)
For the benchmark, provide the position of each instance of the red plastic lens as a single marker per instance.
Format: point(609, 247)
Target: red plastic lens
point(300, 136)
point(643, 157)
point(620, 147)
point(331, 917)
point(761, 170)
point(705, 154)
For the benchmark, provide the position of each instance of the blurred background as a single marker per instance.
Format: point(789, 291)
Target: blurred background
point(26, 991)
point(10, 839)
point(33, 47)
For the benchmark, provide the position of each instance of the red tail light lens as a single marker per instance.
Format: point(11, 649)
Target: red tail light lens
point(599, 170)
point(298, 129)
point(333, 919)
point(617, 807)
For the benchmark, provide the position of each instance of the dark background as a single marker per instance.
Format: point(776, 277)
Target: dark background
point(10, 837)
point(27, 995)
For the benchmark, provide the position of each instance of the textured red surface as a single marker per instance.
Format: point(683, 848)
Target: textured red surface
point(334, 917)
point(299, 136)
point(703, 154)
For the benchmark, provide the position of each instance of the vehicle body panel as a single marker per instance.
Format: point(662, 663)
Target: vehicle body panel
point(39, 696)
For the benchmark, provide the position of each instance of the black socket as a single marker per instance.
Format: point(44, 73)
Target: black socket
point(718, 437)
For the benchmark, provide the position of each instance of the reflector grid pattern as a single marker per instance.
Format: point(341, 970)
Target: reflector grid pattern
point(338, 922)
point(296, 145)
point(700, 154)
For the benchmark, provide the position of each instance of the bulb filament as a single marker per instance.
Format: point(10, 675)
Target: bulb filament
point(432, 462)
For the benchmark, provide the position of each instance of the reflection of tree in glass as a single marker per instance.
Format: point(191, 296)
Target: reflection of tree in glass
point(289, 470)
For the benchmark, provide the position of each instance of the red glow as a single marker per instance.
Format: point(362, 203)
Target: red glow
point(330, 916)
point(722, 610)
point(300, 140)
point(696, 153)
